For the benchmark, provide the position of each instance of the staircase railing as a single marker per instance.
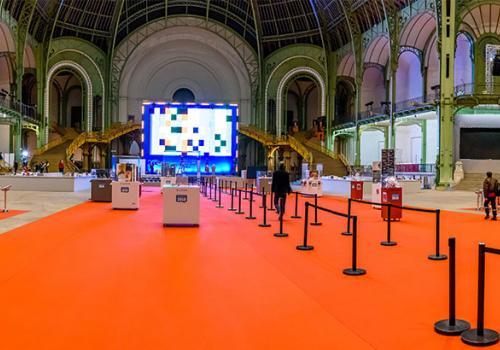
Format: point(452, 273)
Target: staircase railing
point(345, 161)
point(101, 137)
point(270, 140)
point(300, 149)
point(322, 149)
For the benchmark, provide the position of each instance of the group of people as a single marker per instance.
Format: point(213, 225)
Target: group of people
point(42, 167)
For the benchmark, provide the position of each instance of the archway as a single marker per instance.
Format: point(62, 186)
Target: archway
point(67, 93)
point(464, 66)
point(87, 106)
point(303, 104)
point(344, 102)
point(409, 80)
point(184, 57)
point(372, 91)
point(282, 87)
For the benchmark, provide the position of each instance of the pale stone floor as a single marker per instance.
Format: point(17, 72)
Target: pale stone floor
point(42, 204)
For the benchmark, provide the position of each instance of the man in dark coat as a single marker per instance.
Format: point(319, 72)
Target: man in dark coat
point(281, 187)
point(490, 188)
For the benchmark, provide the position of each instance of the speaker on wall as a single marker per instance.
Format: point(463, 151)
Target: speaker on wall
point(495, 71)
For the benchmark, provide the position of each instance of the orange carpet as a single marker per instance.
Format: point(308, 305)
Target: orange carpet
point(11, 213)
point(93, 278)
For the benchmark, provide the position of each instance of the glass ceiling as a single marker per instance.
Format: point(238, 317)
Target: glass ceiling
point(265, 24)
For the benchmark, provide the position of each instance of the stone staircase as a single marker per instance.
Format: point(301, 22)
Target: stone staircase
point(55, 150)
point(53, 156)
point(332, 164)
point(473, 182)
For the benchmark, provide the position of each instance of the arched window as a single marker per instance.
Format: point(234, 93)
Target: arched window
point(183, 95)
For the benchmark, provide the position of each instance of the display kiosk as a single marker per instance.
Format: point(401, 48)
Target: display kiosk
point(100, 190)
point(181, 205)
point(356, 190)
point(392, 195)
point(125, 194)
point(311, 187)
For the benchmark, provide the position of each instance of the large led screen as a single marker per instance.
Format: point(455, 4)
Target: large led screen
point(180, 133)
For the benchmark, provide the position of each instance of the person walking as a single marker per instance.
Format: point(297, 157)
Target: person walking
point(280, 187)
point(16, 166)
point(490, 189)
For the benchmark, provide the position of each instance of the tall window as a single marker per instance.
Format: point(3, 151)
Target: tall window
point(183, 95)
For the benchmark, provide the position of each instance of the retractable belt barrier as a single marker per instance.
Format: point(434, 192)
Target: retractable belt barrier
point(281, 209)
point(436, 256)
point(351, 271)
point(451, 326)
point(481, 336)
point(296, 214)
point(264, 213)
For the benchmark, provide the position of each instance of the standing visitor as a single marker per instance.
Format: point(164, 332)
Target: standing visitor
point(490, 188)
point(61, 166)
point(16, 166)
point(213, 169)
point(280, 187)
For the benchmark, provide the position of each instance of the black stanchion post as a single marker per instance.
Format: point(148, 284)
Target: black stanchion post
point(480, 336)
point(388, 242)
point(251, 190)
point(246, 190)
point(316, 223)
point(281, 233)
point(216, 186)
point(438, 256)
point(232, 198)
point(262, 205)
point(239, 203)
point(250, 214)
point(306, 224)
point(220, 197)
point(264, 212)
point(271, 202)
point(210, 190)
point(451, 326)
point(348, 231)
point(354, 270)
point(296, 214)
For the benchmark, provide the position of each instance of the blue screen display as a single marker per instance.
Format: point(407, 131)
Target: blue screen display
point(191, 136)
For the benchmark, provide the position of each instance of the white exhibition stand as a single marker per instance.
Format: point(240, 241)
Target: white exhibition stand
point(125, 194)
point(47, 183)
point(342, 187)
point(181, 205)
point(311, 187)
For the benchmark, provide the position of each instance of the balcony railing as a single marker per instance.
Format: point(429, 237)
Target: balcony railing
point(477, 89)
point(27, 111)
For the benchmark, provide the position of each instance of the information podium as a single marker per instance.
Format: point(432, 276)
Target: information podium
point(125, 194)
point(356, 190)
point(392, 195)
point(181, 205)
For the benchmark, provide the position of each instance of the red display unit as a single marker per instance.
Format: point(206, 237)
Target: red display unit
point(357, 190)
point(392, 196)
